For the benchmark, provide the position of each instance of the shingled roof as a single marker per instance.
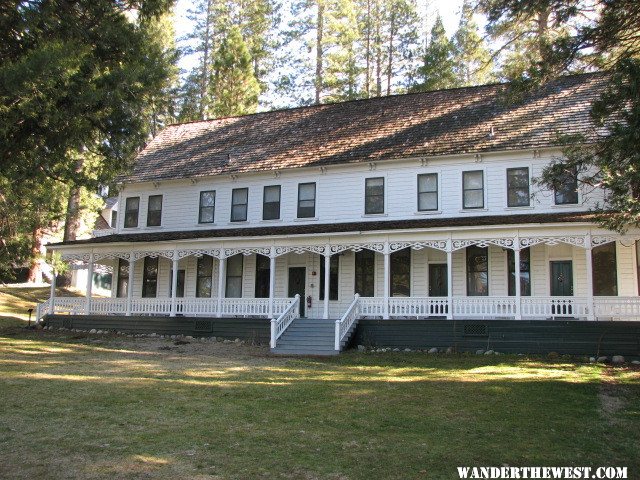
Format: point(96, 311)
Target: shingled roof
point(441, 122)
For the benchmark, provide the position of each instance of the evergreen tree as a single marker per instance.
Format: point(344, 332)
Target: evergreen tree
point(472, 60)
point(234, 88)
point(438, 68)
point(604, 36)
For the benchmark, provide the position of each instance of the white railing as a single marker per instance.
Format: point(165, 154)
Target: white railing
point(553, 307)
point(617, 307)
point(151, 306)
point(469, 307)
point(604, 308)
point(108, 306)
point(280, 324)
point(371, 306)
point(344, 324)
point(69, 305)
point(418, 306)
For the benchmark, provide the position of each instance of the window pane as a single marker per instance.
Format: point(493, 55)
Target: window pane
point(517, 187)
point(567, 193)
point(234, 287)
point(473, 179)
point(208, 199)
point(518, 198)
point(133, 203)
point(272, 193)
point(150, 277)
point(401, 273)
point(240, 195)
point(477, 271)
point(374, 204)
point(605, 275)
point(306, 200)
point(263, 267)
point(206, 215)
point(238, 213)
point(271, 211)
point(375, 186)
point(234, 265)
point(307, 191)
point(155, 202)
point(428, 182)
point(365, 273)
point(473, 199)
point(428, 201)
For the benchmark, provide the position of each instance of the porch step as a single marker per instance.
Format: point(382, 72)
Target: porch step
point(309, 336)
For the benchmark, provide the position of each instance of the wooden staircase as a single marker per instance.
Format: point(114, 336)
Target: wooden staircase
point(310, 336)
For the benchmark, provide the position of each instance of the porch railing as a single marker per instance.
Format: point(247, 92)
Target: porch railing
point(531, 308)
point(343, 325)
point(280, 324)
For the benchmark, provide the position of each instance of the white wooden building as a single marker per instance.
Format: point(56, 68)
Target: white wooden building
point(410, 206)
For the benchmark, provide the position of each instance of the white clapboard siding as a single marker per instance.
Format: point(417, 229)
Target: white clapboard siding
point(340, 193)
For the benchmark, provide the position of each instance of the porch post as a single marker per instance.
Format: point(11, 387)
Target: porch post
point(222, 264)
point(589, 262)
point(272, 280)
point(449, 281)
point(52, 293)
point(174, 284)
point(327, 278)
point(387, 264)
point(516, 259)
point(87, 307)
point(130, 285)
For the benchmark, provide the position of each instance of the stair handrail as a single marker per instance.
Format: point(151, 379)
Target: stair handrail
point(280, 324)
point(344, 324)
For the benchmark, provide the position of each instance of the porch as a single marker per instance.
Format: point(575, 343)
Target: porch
point(505, 274)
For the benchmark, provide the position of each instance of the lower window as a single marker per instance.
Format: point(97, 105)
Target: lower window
point(234, 276)
point(477, 271)
point(401, 273)
point(150, 277)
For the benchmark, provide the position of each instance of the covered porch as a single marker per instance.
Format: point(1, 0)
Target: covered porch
point(519, 274)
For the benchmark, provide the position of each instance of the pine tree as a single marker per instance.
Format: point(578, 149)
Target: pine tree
point(472, 60)
point(234, 88)
point(438, 67)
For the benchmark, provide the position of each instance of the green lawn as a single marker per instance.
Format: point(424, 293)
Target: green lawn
point(15, 301)
point(81, 406)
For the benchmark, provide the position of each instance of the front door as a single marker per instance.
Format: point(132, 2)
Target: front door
point(562, 286)
point(180, 289)
point(562, 278)
point(297, 277)
point(438, 280)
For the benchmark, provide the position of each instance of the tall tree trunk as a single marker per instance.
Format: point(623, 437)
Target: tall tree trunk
point(71, 223)
point(367, 83)
point(35, 273)
point(392, 32)
point(204, 79)
point(319, 53)
point(543, 30)
point(378, 42)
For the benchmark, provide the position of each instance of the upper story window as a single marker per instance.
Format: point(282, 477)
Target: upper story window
point(427, 192)
point(306, 200)
point(131, 209)
point(206, 212)
point(271, 202)
point(239, 201)
point(518, 187)
point(567, 192)
point(374, 195)
point(154, 211)
point(473, 189)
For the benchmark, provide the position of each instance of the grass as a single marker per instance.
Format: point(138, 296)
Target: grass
point(15, 301)
point(81, 406)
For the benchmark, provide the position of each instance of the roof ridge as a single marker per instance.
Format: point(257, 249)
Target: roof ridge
point(373, 99)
